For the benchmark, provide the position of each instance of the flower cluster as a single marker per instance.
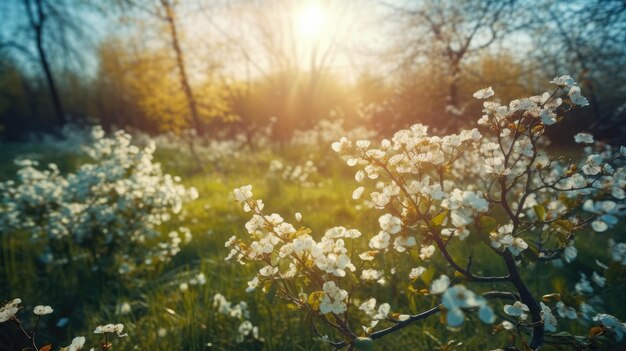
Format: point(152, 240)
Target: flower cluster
point(246, 329)
point(299, 174)
point(108, 207)
point(8, 312)
point(496, 186)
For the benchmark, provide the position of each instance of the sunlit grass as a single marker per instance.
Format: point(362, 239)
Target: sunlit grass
point(164, 317)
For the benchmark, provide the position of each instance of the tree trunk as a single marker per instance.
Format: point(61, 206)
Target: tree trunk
point(180, 62)
point(37, 25)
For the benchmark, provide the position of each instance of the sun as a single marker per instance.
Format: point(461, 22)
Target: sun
point(311, 20)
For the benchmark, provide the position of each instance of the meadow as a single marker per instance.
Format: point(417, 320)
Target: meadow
point(175, 305)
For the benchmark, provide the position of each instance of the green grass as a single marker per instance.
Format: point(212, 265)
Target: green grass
point(191, 322)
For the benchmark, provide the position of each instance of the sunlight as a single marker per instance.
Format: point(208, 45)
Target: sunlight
point(311, 20)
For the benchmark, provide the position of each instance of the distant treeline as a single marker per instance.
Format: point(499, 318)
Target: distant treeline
point(233, 66)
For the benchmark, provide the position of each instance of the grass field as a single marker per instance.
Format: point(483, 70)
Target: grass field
point(163, 311)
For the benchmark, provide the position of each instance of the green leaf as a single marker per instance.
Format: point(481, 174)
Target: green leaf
point(314, 300)
point(428, 275)
point(440, 218)
point(541, 212)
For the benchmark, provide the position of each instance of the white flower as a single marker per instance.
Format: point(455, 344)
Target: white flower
point(383, 312)
point(352, 233)
point(77, 344)
point(598, 279)
point(243, 193)
point(563, 81)
point(268, 271)
point(484, 93)
point(342, 144)
point(618, 252)
point(547, 116)
point(9, 310)
point(584, 138)
point(583, 285)
point(417, 272)
point(515, 310)
point(549, 321)
point(457, 298)
point(390, 224)
point(427, 252)
point(612, 324)
point(606, 212)
point(230, 241)
point(380, 241)
point(440, 284)
point(333, 300)
point(110, 329)
point(517, 246)
point(363, 144)
point(576, 96)
point(371, 274)
point(565, 311)
point(252, 284)
point(592, 166)
point(484, 120)
point(356, 194)
point(42, 310)
point(402, 242)
point(298, 216)
point(369, 307)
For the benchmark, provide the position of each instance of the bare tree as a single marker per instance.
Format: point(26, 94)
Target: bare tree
point(587, 39)
point(446, 33)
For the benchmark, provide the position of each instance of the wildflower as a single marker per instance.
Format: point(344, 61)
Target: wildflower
point(42, 310)
point(576, 96)
point(549, 321)
point(77, 344)
point(598, 279)
point(369, 307)
point(516, 310)
point(252, 284)
point(606, 212)
point(357, 193)
point(333, 300)
point(371, 274)
point(116, 329)
point(592, 166)
point(613, 324)
point(416, 272)
point(547, 117)
point(9, 310)
point(565, 311)
point(563, 81)
point(457, 298)
point(484, 93)
point(584, 138)
point(243, 193)
point(583, 285)
point(427, 252)
point(390, 224)
point(517, 246)
point(440, 284)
